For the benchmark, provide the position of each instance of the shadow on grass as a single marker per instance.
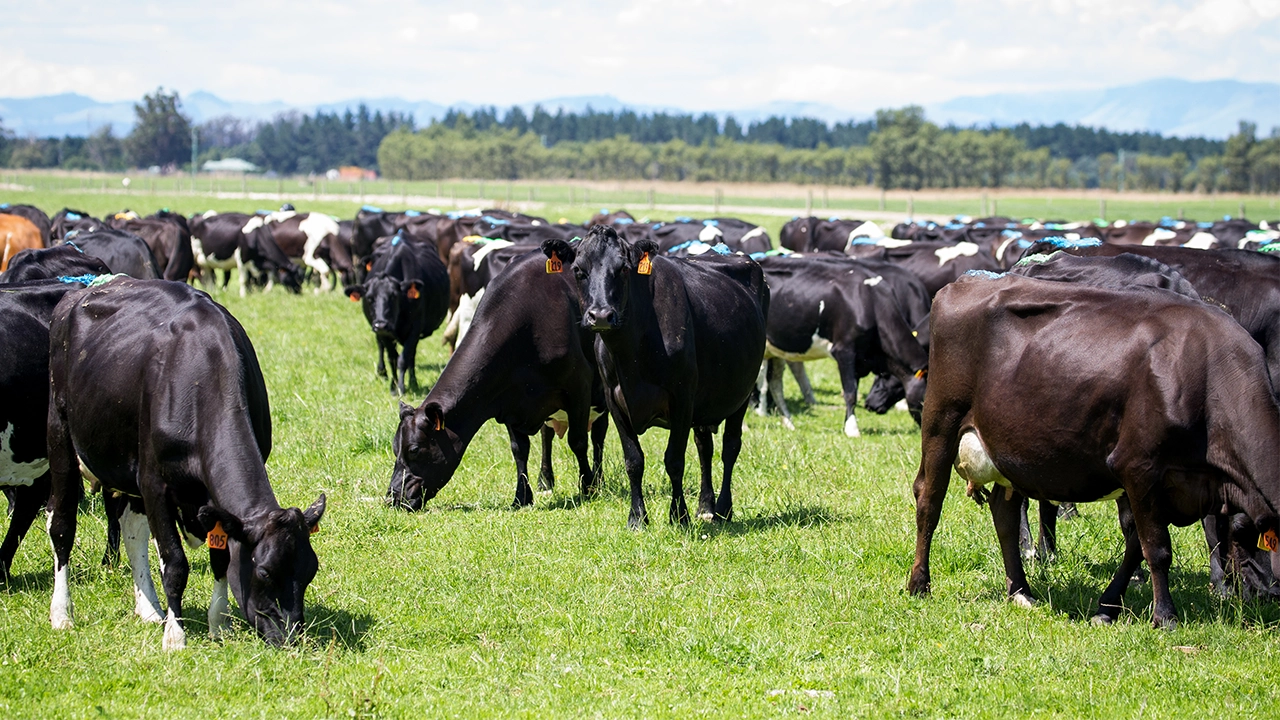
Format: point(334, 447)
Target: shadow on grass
point(799, 516)
point(30, 582)
point(348, 630)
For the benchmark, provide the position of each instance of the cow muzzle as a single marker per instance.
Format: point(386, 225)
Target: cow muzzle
point(598, 319)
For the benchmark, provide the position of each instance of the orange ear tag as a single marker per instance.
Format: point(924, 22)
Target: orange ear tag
point(413, 292)
point(354, 298)
point(1268, 541)
point(646, 265)
point(921, 373)
point(315, 528)
point(217, 537)
point(368, 266)
point(439, 423)
point(554, 265)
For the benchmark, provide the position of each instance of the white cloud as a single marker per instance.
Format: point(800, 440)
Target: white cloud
point(464, 22)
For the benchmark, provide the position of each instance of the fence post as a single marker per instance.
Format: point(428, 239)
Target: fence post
point(1241, 209)
point(824, 198)
point(650, 198)
point(984, 206)
point(715, 202)
point(882, 199)
point(911, 207)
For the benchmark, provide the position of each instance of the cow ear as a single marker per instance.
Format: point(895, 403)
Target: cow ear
point(313, 514)
point(432, 416)
point(560, 248)
point(643, 246)
point(355, 292)
point(405, 410)
point(210, 516)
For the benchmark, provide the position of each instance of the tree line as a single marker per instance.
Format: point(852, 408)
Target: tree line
point(903, 151)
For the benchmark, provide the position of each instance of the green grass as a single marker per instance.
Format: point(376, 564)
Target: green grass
point(471, 609)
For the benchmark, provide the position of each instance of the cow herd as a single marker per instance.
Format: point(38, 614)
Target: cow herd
point(1050, 361)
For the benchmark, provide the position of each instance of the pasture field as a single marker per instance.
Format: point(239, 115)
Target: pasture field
point(470, 609)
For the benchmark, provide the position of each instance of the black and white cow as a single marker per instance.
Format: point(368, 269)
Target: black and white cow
point(157, 389)
point(738, 235)
point(299, 236)
point(405, 297)
point(679, 345)
point(472, 265)
point(225, 241)
point(527, 363)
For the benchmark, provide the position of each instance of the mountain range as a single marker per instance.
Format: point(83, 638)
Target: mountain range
point(1168, 106)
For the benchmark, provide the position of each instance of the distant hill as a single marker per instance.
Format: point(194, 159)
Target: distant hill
point(1179, 108)
point(1171, 107)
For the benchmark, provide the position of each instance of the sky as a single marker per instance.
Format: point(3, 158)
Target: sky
point(856, 55)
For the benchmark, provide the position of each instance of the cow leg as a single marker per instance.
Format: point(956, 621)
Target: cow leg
point(219, 605)
point(382, 351)
point(846, 362)
point(174, 569)
point(939, 445)
point(1112, 599)
point(24, 506)
point(706, 493)
point(802, 379)
point(1157, 549)
point(1216, 530)
point(242, 275)
point(1008, 514)
point(677, 443)
point(599, 429)
point(520, 451)
point(134, 532)
point(1047, 544)
point(409, 363)
point(547, 475)
point(113, 505)
point(1024, 529)
point(633, 459)
point(66, 489)
point(762, 389)
point(775, 391)
point(729, 456)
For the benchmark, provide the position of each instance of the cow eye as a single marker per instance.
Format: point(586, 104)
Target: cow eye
point(415, 451)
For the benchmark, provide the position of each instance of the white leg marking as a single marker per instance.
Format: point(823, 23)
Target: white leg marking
point(218, 606)
point(851, 426)
point(60, 610)
point(175, 638)
point(762, 385)
point(240, 270)
point(135, 533)
point(1022, 601)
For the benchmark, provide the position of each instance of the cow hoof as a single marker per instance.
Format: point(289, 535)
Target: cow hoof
point(1102, 619)
point(1022, 600)
point(786, 423)
point(1169, 623)
point(706, 516)
point(147, 612)
point(851, 427)
point(60, 621)
point(174, 636)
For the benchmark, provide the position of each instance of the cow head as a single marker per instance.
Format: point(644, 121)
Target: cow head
point(384, 299)
point(603, 267)
point(427, 454)
point(290, 277)
point(271, 565)
point(884, 393)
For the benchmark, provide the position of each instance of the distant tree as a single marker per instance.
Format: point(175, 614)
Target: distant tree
point(162, 134)
point(1235, 157)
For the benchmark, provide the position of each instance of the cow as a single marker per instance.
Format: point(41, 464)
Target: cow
point(617, 217)
point(158, 390)
point(679, 344)
point(35, 215)
point(25, 311)
point(66, 220)
point(169, 240)
point(48, 263)
point(17, 234)
point(404, 297)
point(1151, 398)
point(844, 310)
point(935, 263)
point(472, 265)
point(527, 363)
point(299, 236)
point(737, 235)
point(122, 251)
point(223, 241)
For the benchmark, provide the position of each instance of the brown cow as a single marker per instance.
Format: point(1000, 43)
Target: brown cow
point(17, 234)
point(1060, 392)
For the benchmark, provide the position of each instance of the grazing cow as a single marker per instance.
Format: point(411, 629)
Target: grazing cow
point(472, 265)
point(122, 251)
point(1151, 398)
point(48, 263)
point(844, 310)
point(34, 214)
point(935, 263)
point(738, 235)
point(679, 345)
point(527, 363)
point(404, 297)
point(223, 241)
point(17, 234)
point(299, 236)
point(169, 240)
point(337, 252)
point(66, 220)
point(25, 311)
point(158, 390)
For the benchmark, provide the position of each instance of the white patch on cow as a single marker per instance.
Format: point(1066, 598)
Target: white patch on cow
point(134, 534)
point(1120, 223)
point(1182, 224)
point(1072, 236)
point(755, 232)
point(1202, 241)
point(888, 242)
point(851, 426)
point(13, 472)
point(901, 405)
point(1004, 245)
point(873, 281)
point(709, 234)
point(466, 313)
point(818, 349)
point(209, 213)
point(867, 229)
point(60, 609)
point(1157, 235)
point(218, 606)
point(975, 465)
point(478, 256)
point(961, 249)
point(254, 223)
point(1072, 226)
point(1037, 225)
point(175, 638)
point(822, 307)
point(1263, 225)
point(317, 227)
point(280, 216)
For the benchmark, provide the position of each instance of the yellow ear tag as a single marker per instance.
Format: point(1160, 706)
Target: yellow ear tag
point(217, 538)
point(554, 265)
point(413, 292)
point(439, 423)
point(1268, 541)
point(921, 373)
point(646, 265)
point(368, 266)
